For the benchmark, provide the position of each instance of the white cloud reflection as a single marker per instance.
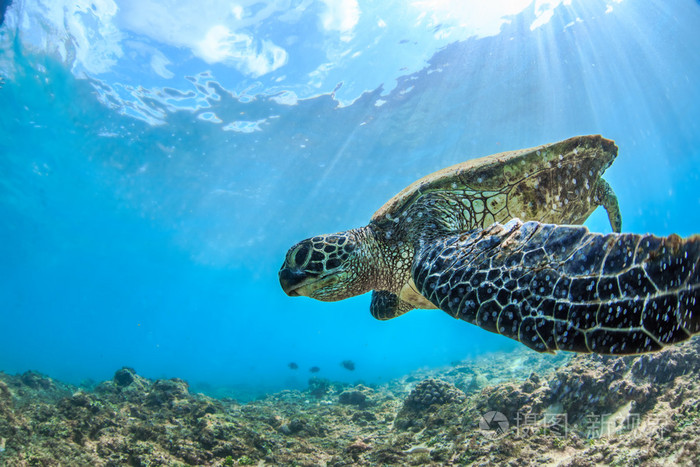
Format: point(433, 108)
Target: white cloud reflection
point(316, 45)
point(472, 17)
point(342, 16)
point(215, 31)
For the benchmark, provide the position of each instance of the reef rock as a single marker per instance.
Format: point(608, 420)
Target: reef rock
point(430, 392)
point(617, 411)
point(352, 398)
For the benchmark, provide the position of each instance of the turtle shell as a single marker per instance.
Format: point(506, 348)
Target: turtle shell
point(556, 183)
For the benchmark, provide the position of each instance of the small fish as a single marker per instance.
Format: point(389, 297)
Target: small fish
point(293, 366)
point(348, 364)
point(314, 369)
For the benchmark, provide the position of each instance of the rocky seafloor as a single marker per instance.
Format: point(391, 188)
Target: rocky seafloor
point(519, 408)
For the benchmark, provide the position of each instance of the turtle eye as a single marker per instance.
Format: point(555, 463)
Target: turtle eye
point(301, 255)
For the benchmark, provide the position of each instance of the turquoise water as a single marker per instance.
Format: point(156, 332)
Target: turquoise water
point(156, 162)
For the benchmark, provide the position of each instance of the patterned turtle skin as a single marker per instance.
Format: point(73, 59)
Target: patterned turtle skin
point(558, 183)
point(556, 287)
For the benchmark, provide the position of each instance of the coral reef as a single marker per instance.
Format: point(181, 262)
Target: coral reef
point(519, 408)
point(432, 391)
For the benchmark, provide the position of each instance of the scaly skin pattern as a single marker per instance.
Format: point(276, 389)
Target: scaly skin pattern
point(556, 287)
point(332, 267)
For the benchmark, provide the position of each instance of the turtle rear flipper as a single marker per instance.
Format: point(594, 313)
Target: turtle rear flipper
point(606, 197)
point(557, 287)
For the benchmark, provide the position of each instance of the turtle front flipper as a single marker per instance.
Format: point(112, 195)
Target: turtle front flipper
point(555, 287)
point(386, 305)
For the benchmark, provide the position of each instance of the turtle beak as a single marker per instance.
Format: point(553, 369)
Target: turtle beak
point(291, 279)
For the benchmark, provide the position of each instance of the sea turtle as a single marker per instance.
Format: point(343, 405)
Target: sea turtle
point(494, 241)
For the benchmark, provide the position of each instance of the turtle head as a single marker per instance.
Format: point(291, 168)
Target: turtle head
point(326, 267)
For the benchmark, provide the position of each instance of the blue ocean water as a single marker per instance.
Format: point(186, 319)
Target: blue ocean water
point(156, 162)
